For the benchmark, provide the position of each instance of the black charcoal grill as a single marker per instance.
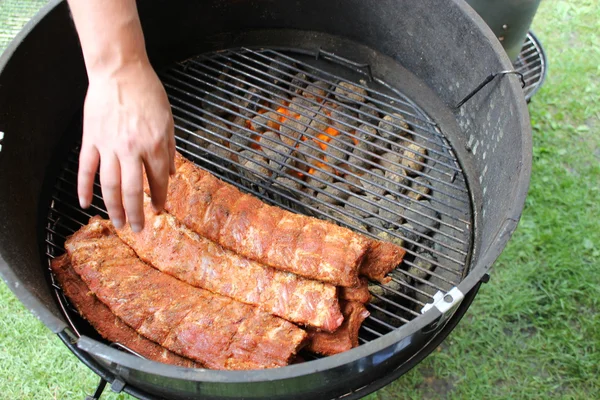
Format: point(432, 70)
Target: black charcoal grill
point(392, 135)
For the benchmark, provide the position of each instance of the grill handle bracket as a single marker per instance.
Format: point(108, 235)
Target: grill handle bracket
point(488, 80)
point(445, 303)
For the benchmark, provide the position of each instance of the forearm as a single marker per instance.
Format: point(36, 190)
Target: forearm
point(110, 34)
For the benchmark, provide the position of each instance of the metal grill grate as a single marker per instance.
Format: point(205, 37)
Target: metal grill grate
point(532, 64)
point(224, 105)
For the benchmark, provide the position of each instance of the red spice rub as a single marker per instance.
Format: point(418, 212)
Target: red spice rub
point(105, 322)
point(346, 337)
point(358, 293)
point(295, 243)
point(174, 249)
point(216, 331)
point(381, 259)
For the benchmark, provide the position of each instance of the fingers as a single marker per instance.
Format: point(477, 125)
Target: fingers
point(132, 190)
point(110, 180)
point(157, 171)
point(89, 159)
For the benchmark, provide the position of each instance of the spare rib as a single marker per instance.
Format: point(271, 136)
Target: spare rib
point(108, 325)
point(218, 332)
point(275, 237)
point(169, 246)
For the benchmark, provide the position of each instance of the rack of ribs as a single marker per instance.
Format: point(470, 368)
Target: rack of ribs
point(346, 337)
point(275, 237)
point(216, 331)
point(109, 326)
point(170, 247)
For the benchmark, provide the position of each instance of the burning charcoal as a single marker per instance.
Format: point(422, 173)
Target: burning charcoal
point(276, 152)
point(338, 148)
point(408, 232)
point(291, 130)
point(180, 133)
point(389, 237)
point(363, 206)
point(318, 125)
point(343, 118)
point(446, 246)
point(367, 134)
point(298, 161)
point(310, 150)
point(354, 183)
point(391, 127)
point(262, 122)
point(360, 158)
point(343, 220)
point(426, 220)
point(422, 266)
point(250, 103)
point(216, 102)
point(347, 92)
point(374, 225)
point(201, 138)
point(325, 173)
point(239, 82)
point(279, 69)
point(369, 114)
point(237, 139)
point(254, 165)
point(301, 106)
point(279, 98)
point(394, 216)
point(219, 132)
point(298, 83)
point(374, 183)
point(316, 90)
point(419, 189)
point(395, 180)
point(386, 290)
point(339, 190)
point(219, 151)
point(389, 161)
point(287, 183)
point(334, 194)
point(414, 157)
point(400, 145)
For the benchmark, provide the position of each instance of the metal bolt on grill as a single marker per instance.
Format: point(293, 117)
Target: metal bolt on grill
point(351, 150)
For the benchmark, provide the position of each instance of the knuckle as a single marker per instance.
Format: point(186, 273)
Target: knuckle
point(132, 192)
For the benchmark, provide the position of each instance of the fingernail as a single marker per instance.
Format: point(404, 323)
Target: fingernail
point(117, 223)
point(136, 227)
point(83, 204)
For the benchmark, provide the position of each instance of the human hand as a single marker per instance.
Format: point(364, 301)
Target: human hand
point(127, 128)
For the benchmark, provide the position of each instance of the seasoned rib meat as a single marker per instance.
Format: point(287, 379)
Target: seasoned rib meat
point(380, 260)
point(358, 293)
point(346, 337)
point(105, 322)
point(272, 236)
point(172, 248)
point(217, 331)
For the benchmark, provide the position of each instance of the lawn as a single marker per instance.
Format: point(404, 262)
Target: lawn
point(534, 329)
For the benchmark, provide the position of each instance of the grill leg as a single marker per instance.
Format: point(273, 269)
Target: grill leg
point(98, 392)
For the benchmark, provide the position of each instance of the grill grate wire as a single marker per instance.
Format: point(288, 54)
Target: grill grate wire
point(531, 62)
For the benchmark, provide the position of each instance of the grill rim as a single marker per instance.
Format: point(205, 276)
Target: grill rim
point(491, 252)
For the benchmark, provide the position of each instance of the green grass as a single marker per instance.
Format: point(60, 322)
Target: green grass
point(533, 331)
